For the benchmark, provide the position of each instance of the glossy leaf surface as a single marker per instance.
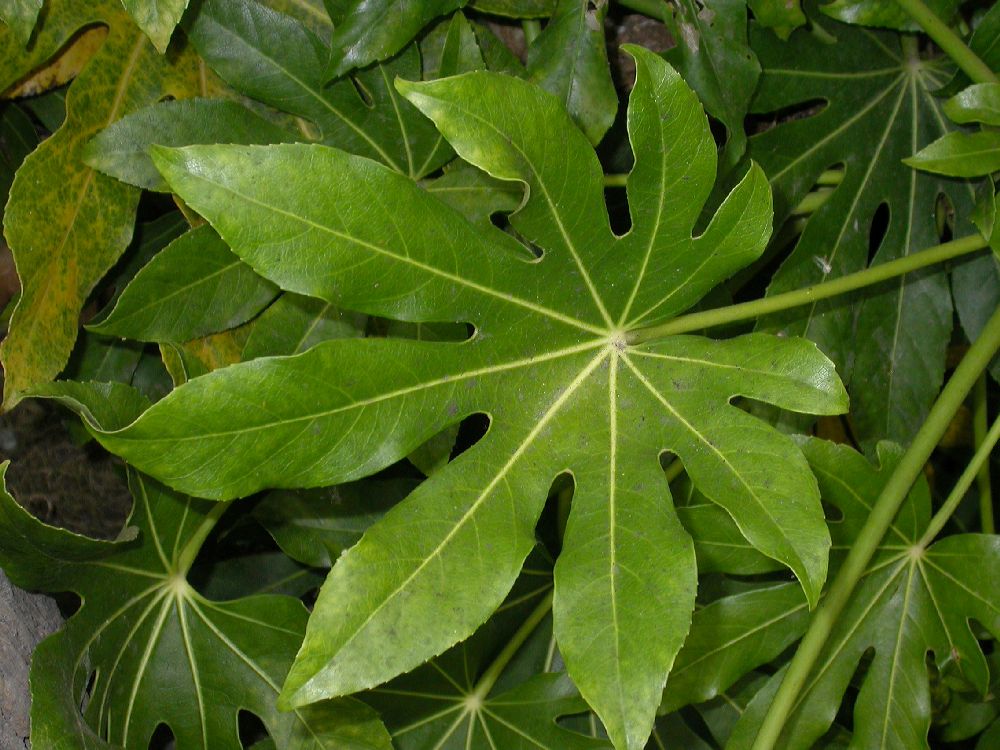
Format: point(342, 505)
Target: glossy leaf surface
point(863, 105)
point(978, 103)
point(960, 155)
point(550, 358)
point(146, 648)
point(889, 15)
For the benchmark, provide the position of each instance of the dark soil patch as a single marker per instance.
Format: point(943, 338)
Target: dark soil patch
point(78, 487)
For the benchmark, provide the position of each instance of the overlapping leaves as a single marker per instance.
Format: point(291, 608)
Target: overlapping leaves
point(863, 103)
point(146, 649)
point(553, 361)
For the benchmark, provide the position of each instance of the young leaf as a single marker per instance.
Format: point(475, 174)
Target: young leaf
point(192, 288)
point(273, 58)
point(62, 254)
point(20, 16)
point(554, 355)
point(157, 18)
point(867, 105)
point(960, 154)
point(569, 59)
point(977, 103)
point(913, 600)
point(146, 648)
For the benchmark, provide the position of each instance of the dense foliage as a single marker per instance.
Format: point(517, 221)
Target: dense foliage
point(476, 391)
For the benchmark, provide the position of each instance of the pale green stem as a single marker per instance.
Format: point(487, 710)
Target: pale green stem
point(830, 178)
point(979, 419)
point(979, 461)
point(191, 549)
point(657, 9)
point(971, 64)
point(615, 180)
point(674, 470)
point(812, 201)
point(493, 672)
point(532, 28)
point(883, 512)
point(851, 282)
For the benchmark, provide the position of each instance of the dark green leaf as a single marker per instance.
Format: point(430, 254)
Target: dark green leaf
point(985, 43)
point(121, 149)
point(146, 648)
point(713, 56)
point(865, 106)
point(194, 287)
point(550, 358)
point(17, 140)
point(516, 8)
point(569, 59)
point(367, 31)
point(295, 323)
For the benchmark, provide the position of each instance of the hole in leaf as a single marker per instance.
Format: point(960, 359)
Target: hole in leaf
point(720, 133)
point(764, 121)
point(586, 724)
point(877, 230)
point(618, 213)
point(472, 429)
point(552, 521)
point(162, 739)
point(252, 729)
point(944, 213)
point(88, 691)
point(363, 93)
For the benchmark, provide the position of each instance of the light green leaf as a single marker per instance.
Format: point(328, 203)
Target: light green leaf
point(62, 253)
point(864, 107)
point(192, 288)
point(121, 149)
point(368, 31)
point(473, 193)
point(960, 154)
point(886, 14)
point(713, 56)
point(146, 648)
point(552, 356)
point(20, 16)
point(277, 60)
point(157, 18)
point(569, 59)
point(977, 103)
point(912, 601)
point(295, 323)
point(781, 16)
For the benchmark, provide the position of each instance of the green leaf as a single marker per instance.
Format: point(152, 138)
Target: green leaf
point(473, 193)
point(295, 323)
point(569, 59)
point(368, 31)
point(20, 16)
point(121, 149)
point(713, 56)
point(275, 59)
point(911, 602)
point(17, 140)
point(781, 16)
point(977, 103)
point(516, 8)
point(146, 648)
point(192, 288)
point(985, 43)
point(866, 107)
point(960, 154)
point(62, 252)
point(157, 18)
point(551, 357)
point(889, 15)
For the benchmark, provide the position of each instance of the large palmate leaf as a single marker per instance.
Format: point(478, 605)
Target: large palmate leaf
point(913, 600)
point(145, 648)
point(555, 361)
point(867, 105)
point(61, 254)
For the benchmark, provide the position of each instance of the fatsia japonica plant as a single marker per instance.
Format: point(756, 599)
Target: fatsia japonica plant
point(478, 389)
